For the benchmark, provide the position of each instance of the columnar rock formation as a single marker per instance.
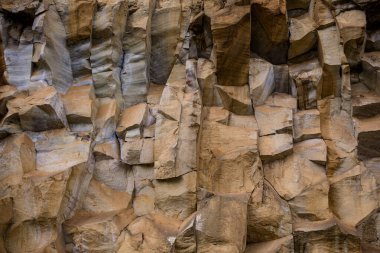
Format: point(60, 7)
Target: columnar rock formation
point(184, 126)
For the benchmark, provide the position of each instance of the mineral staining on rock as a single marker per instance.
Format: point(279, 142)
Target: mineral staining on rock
point(184, 126)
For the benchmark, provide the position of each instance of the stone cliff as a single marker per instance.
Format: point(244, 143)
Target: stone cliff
point(190, 126)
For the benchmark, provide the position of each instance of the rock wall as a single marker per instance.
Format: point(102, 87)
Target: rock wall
point(183, 126)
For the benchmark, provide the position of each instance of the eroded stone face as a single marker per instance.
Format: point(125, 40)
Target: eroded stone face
point(156, 126)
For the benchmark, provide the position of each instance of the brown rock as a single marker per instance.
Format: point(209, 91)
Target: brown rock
point(59, 150)
point(330, 56)
point(229, 231)
point(306, 125)
point(273, 147)
point(236, 99)
point(228, 161)
point(368, 134)
point(269, 216)
point(280, 123)
point(307, 78)
point(261, 80)
point(326, 236)
point(30, 236)
point(352, 33)
point(106, 118)
point(289, 180)
point(18, 157)
point(365, 103)
point(314, 150)
point(80, 108)
point(176, 197)
point(109, 25)
point(283, 245)
point(232, 53)
point(137, 49)
point(353, 195)
point(371, 71)
point(131, 120)
point(303, 35)
point(42, 110)
point(137, 151)
point(270, 30)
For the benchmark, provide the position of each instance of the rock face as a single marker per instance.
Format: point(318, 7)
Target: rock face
point(185, 126)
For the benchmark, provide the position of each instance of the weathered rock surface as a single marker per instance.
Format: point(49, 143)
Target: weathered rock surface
point(184, 126)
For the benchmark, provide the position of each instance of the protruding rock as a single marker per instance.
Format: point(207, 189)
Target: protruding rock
point(273, 147)
point(80, 108)
point(206, 74)
point(236, 99)
point(132, 120)
point(322, 14)
point(58, 150)
point(151, 233)
point(274, 119)
point(330, 56)
point(79, 25)
point(307, 125)
point(165, 32)
point(178, 123)
point(338, 132)
point(42, 110)
point(303, 35)
point(326, 236)
point(282, 100)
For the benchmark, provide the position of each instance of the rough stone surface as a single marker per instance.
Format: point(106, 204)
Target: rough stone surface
point(189, 126)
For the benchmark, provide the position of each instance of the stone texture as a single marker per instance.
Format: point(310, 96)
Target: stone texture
point(42, 110)
point(371, 72)
point(303, 35)
point(232, 53)
point(184, 126)
point(306, 77)
point(270, 30)
point(272, 147)
point(307, 125)
point(330, 56)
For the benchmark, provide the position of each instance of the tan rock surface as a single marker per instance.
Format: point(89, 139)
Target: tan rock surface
point(184, 126)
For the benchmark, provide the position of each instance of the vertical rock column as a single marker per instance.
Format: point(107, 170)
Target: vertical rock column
point(107, 49)
point(135, 75)
point(78, 17)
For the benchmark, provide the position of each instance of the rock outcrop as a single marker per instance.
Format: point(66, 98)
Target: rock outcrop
point(185, 126)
